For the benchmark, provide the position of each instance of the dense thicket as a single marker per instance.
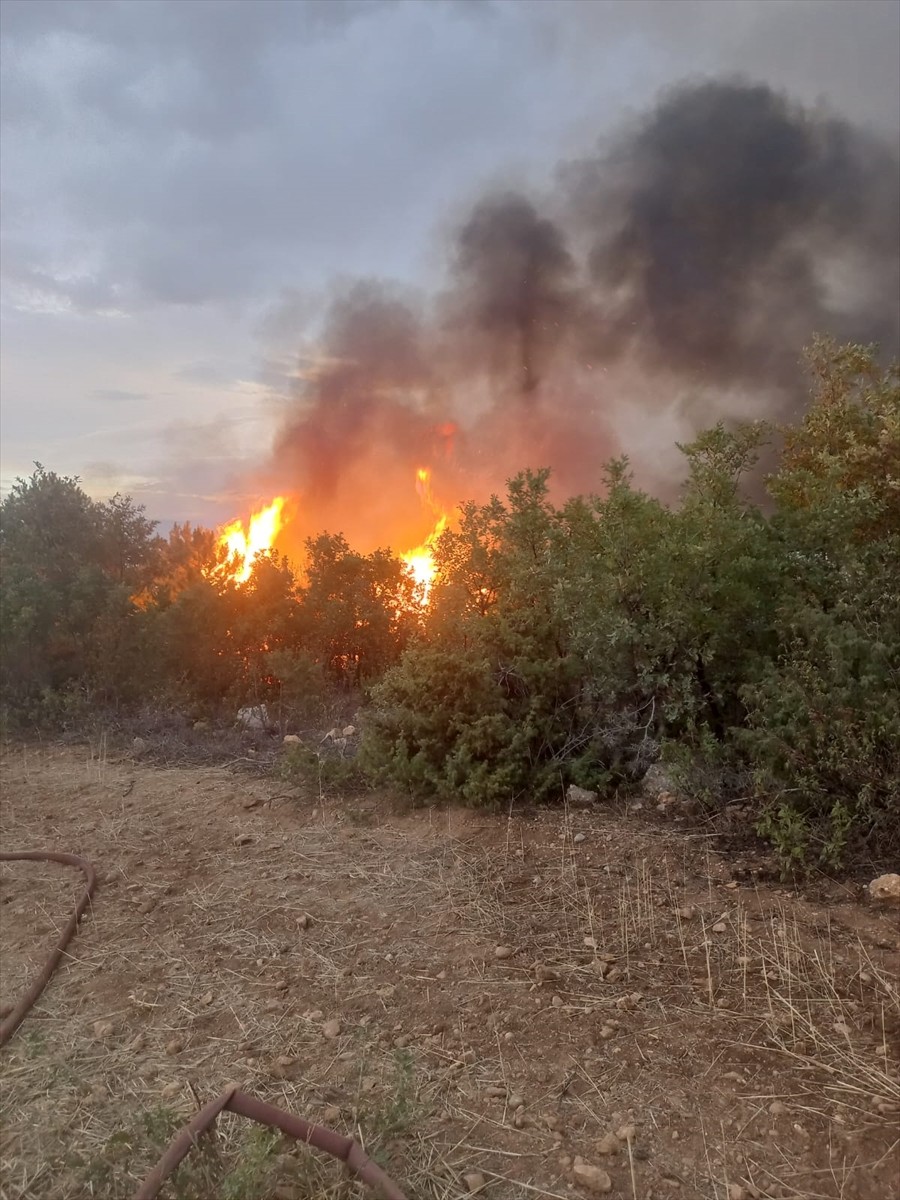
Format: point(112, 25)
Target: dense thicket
point(756, 647)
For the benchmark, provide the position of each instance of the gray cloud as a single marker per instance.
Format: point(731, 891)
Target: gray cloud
point(117, 396)
point(182, 168)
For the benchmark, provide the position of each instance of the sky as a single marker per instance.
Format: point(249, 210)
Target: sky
point(186, 186)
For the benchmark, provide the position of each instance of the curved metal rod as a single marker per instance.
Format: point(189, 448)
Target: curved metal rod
point(340, 1147)
point(11, 1023)
point(335, 1144)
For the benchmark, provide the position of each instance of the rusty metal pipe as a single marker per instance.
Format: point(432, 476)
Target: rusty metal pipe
point(181, 1145)
point(343, 1148)
point(11, 1023)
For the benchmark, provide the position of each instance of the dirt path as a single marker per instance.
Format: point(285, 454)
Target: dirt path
point(467, 995)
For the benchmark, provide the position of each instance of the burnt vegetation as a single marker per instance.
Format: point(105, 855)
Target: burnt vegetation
point(752, 646)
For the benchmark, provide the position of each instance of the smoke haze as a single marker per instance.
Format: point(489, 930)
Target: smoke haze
point(670, 280)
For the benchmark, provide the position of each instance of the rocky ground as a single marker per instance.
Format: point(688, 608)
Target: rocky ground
point(547, 1004)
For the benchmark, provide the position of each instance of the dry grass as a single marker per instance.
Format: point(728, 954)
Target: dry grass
point(740, 1032)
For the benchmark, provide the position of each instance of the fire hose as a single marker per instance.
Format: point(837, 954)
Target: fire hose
point(233, 1100)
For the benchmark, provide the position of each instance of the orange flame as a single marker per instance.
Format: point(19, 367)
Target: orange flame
point(242, 548)
point(420, 560)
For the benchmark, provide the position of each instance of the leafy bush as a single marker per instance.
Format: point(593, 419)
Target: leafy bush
point(824, 737)
point(756, 645)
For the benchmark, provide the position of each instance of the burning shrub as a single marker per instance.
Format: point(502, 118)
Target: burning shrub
point(498, 699)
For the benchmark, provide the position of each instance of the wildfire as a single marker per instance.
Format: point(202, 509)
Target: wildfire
point(241, 548)
point(421, 559)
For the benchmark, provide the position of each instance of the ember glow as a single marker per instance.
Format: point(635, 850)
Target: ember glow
point(239, 546)
point(242, 547)
point(420, 560)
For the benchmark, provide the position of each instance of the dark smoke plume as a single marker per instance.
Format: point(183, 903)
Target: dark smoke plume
point(714, 229)
point(676, 276)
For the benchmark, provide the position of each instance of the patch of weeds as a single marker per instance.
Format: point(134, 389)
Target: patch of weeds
point(252, 1179)
point(34, 1044)
point(361, 817)
point(394, 1114)
point(327, 772)
point(240, 1167)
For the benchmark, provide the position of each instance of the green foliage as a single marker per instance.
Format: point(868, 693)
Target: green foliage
point(69, 565)
point(756, 646)
point(246, 1173)
point(355, 610)
point(823, 727)
point(325, 770)
point(759, 650)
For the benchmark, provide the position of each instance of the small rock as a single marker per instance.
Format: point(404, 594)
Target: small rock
point(557, 1001)
point(304, 921)
point(138, 746)
point(736, 1192)
point(250, 802)
point(687, 913)
point(720, 927)
point(515, 1101)
point(103, 1029)
point(332, 1029)
point(543, 974)
point(777, 1109)
point(170, 1090)
point(175, 1046)
point(502, 952)
point(147, 906)
point(494, 1092)
point(201, 726)
point(591, 1178)
point(207, 999)
point(331, 1114)
point(581, 797)
point(608, 1144)
point(886, 889)
point(658, 781)
point(475, 1182)
point(578, 838)
point(626, 1133)
point(348, 731)
point(290, 739)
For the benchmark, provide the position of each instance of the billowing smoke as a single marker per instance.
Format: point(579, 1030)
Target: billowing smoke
point(730, 227)
point(669, 281)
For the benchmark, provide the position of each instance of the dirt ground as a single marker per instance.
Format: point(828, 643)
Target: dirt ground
point(486, 1003)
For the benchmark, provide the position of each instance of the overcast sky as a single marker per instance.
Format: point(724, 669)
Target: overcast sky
point(184, 182)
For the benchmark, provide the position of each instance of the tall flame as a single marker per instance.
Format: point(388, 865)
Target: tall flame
point(242, 548)
point(420, 560)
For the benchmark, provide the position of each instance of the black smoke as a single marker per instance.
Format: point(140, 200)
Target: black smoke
point(714, 229)
point(680, 269)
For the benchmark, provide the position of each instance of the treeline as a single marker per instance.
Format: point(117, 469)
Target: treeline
point(755, 646)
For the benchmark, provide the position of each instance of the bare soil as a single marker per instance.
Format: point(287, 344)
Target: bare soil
point(736, 1040)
